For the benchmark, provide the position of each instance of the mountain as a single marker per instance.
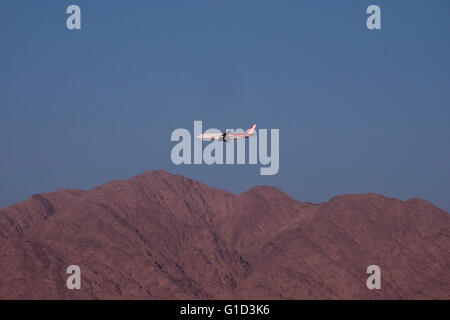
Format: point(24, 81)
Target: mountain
point(164, 236)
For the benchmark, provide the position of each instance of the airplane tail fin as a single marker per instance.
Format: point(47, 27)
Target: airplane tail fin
point(251, 130)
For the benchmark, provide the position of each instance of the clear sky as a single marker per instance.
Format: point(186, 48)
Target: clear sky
point(358, 110)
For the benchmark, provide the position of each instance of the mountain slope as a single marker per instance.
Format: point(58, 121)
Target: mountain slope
point(162, 236)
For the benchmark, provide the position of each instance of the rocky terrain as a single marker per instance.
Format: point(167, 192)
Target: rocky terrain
point(163, 236)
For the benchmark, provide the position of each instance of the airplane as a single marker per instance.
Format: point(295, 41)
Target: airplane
point(227, 136)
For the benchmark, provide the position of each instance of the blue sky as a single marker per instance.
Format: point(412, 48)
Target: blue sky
point(358, 110)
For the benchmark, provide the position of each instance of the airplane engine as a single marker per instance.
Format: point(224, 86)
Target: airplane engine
point(225, 137)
